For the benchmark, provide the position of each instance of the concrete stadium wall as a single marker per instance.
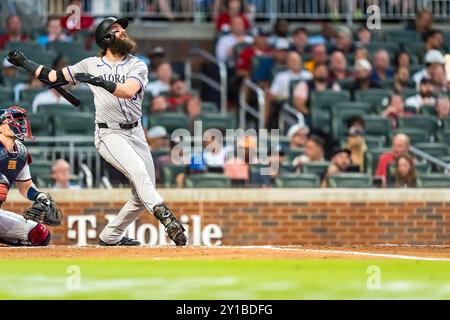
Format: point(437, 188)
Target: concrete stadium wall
point(266, 216)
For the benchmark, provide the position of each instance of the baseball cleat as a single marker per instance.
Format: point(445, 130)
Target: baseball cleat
point(127, 242)
point(175, 231)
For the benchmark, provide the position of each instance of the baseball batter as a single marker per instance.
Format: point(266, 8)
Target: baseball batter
point(118, 80)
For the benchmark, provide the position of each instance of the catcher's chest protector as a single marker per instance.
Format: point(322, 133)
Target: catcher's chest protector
point(11, 164)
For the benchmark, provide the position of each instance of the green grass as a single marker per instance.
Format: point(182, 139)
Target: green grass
point(223, 279)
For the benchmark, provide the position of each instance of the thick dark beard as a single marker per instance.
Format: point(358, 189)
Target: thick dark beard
point(122, 46)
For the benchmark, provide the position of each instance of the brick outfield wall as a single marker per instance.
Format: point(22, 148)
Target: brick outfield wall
point(288, 222)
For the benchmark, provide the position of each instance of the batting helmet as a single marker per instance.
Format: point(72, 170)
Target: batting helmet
point(103, 36)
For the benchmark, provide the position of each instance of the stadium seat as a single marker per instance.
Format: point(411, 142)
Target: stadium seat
point(158, 153)
point(375, 141)
point(320, 107)
point(390, 47)
point(435, 149)
point(401, 36)
point(261, 68)
point(297, 181)
point(40, 168)
point(372, 96)
point(415, 135)
point(40, 124)
point(170, 172)
point(170, 121)
point(216, 121)
point(66, 48)
point(11, 82)
point(55, 108)
point(342, 111)
point(291, 154)
point(317, 167)
point(209, 107)
point(29, 94)
point(207, 180)
point(444, 136)
point(434, 180)
point(421, 168)
point(350, 180)
point(425, 122)
point(429, 110)
point(78, 124)
point(6, 94)
point(376, 125)
point(371, 159)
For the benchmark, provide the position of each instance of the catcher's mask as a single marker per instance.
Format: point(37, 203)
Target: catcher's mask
point(17, 120)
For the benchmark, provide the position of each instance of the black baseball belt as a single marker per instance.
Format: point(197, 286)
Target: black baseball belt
point(125, 126)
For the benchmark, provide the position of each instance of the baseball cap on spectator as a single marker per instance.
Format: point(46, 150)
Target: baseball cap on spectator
point(426, 80)
point(434, 56)
point(362, 64)
point(354, 132)
point(157, 51)
point(157, 132)
point(281, 44)
point(303, 128)
point(343, 31)
point(338, 150)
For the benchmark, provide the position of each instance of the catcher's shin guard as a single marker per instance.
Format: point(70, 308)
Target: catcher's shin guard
point(39, 236)
point(174, 229)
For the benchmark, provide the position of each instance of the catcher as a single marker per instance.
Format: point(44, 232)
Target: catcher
point(15, 229)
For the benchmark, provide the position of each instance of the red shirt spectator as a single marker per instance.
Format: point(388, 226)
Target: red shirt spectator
point(13, 31)
point(245, 60)
point(383, 164)
point(224, 21)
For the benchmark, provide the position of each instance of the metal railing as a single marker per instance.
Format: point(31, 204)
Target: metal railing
point(221, 87)
point(245, 109)
point(429, 158)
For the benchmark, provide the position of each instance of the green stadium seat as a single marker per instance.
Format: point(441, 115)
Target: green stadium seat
point(170, 172)
point(421, 168)
point(158, 153)
point(41, 124)
point(345, 84)
point(443, 136)
point(377, 125)
point(429, 110)
point(291, 154)
point(317, 167)
point(11, 82)
point(217, 121)
point(29, 94)
point(170, 121)
point(401, 36)
point(390, 47)
point(297, 181)
point(371, 159)
point(209, 107)
point(66, 48)
point(55, 108)
point(207, 180)
point(408, 92)
point(373, 142)
point(78, 124)
point(342, 111)
point(40, 168)
point(435, 149)
point(434, 180)
point(372, 96)
point(425, 122)
point(415, 135)
point(320, 107)
point(6, 94)
point(350, 180)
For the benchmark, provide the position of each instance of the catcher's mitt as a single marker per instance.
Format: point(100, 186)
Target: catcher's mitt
point(44, 210)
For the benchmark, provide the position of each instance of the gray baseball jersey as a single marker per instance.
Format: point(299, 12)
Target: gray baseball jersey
point(108, 108)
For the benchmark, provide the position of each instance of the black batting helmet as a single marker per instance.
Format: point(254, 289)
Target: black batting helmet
point(103, 37)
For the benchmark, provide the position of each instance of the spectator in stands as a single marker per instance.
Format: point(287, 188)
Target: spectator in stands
point(13, 31)
point(361, 53)
point(405, 172)
point(400, 146)
point(424, 21)
point(314, 152)
point(61, 175)
point(362, 77)
point(235, 8)
point(433, 59)
point(55, 32)
point(9, 70)
point(344, 40)
point(401, 80)
point(156, 56)
point(439, 80)
point(176, 156)
point(280, 53)
point(158, 104)
point(226, 43)
point(32, 82)
point(442, 110)
point(260, 47)
point(178, 95)
point(434, 40)
point(424, 97)
point(356, 122)
point(162, 83)
point(193, 107)
point(394, 109)
point(318, 55)
point(298, 135)
point(302, 91)
point(340, 161)
point(237, 168)
point(300, 41)
point(364, 36)
point(381, 66)
point(338, 67)
point(214, 153)
point(356, 143)
point(402, 59)
point(157, 138)
point(280, 31)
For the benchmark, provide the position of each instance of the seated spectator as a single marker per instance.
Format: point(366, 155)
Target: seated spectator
point(356, 122)
point(423, 22)
point(405, 172)
point(318, 56)
point(338, 67)
point(13, 31)
point(364, 36)
point(381, 66)
point(394, 109)
point(300, 41)
point(162, 83)
point(439, 80)
point(442, 110)
point(55, 32)
point(302, 91)
point(361, 53)
point(260, 47)
point(156, 56)
point(400, 146)
point(158, 104)
point(362, 77)
point(402, 59)
point(237, 168)
point(235, 8)
point(340, 161)
point(314, 151)
point(48, 97)
point(280, 53)
point(433, 59)
point(178, 94)
point(157, 138)
point(401, 80)
point(434, 40)
point(32, 82)
point(280, 31)
point(61, 175)
point(357, 146)
point(298, 135)
point(193, 107)
point(344, 40)
point(425, 97)
point(226, 43)
point(8, 71)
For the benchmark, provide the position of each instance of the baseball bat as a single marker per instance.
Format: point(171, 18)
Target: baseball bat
point(68, 96)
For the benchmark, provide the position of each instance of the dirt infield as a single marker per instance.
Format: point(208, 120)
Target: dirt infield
point(246, 252)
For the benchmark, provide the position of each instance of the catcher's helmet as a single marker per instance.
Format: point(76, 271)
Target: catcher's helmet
point(17, 119)
point(103, 37)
